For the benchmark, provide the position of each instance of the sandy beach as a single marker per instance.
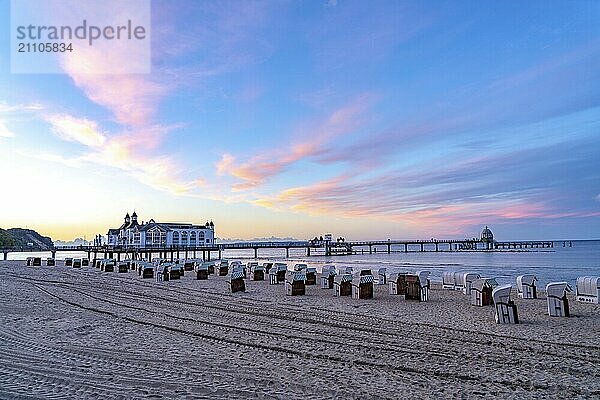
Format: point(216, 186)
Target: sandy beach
point(82, 333)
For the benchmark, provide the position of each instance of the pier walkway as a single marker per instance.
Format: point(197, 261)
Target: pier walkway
point(328, 248)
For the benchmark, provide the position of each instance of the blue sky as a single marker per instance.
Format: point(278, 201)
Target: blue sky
point(296, 118)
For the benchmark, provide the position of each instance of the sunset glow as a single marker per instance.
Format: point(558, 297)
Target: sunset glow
point(394, 119)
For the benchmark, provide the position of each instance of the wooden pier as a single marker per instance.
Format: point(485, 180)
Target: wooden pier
point(332, 248)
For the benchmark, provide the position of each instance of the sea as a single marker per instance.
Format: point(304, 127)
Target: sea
point(564, 262)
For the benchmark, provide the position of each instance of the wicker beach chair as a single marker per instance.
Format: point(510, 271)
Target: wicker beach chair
point(397, 284)
point(342, 285)
point(327, 274)
point(417, 286)
point(449, 280)
point(295, 283)
point(362, 285)
point(506, 309)
point(526, 288)
point(481, 292)
point(558, 304)
point(201, 271)
point(257, 273)
point(588, 289)
point(464, 280)
point(382, 276)
point(236, 281)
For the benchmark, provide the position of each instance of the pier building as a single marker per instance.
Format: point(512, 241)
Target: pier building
point(159, 234)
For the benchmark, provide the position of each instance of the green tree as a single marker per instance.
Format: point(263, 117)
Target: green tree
point(6, 240)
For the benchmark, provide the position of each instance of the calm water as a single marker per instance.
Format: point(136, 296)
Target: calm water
point(557, 264)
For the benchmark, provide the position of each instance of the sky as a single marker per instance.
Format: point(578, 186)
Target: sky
point(364, 119)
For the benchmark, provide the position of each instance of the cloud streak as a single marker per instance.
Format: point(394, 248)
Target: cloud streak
point(258, 169)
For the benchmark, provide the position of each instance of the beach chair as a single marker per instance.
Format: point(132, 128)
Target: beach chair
point(300, 267)
point(481, 292)
point(311, 276)
point(175, 271)
point(188, 265)
point(381, 276)
point(588, 289)
point(506, 309)
point(211, 267)
point(68, 262)
point(257, 273)
point(558, 304)
point(362, 285)
point(201, 271)
point(51, 262)
point(162, 273)
point(76, 263)
point(37, 262)
point(236, 280)
point(122, 267)
point(464, 280)
point(449, 280)
point(281, 271)
point(397, 284)
point(223, 268)
point(417, 286)
point(251, 265)
point(327, 274)
point(526, 288)
point(342, 284)
point(267, 267)
point(108, 265)
point(295, 283)
point(85, 262)
point(273, 278)
point(237, 266)
point(147, 271)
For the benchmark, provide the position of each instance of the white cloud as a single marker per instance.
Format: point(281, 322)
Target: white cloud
point(4, 131)
point(79, 130)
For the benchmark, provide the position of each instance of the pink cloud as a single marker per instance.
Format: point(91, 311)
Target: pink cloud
point(346, 197)
point(256, 170)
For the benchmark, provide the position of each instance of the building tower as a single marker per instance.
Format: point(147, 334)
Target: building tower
point(487, 237)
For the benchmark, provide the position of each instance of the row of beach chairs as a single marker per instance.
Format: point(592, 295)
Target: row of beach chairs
point(359, 285)
point(486, 291)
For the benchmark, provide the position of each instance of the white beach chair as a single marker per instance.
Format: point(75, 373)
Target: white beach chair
point(464, 280)
point(558, 304)
point(327, 275)
point(381, 276)
point(588, 289)
point(506, 309)
point(526, 288)
point(273, 276)
point(449, 280)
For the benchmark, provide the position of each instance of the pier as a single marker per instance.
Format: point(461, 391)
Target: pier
point(327, 248)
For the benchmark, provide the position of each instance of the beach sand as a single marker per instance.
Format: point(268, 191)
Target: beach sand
point(82, 333)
